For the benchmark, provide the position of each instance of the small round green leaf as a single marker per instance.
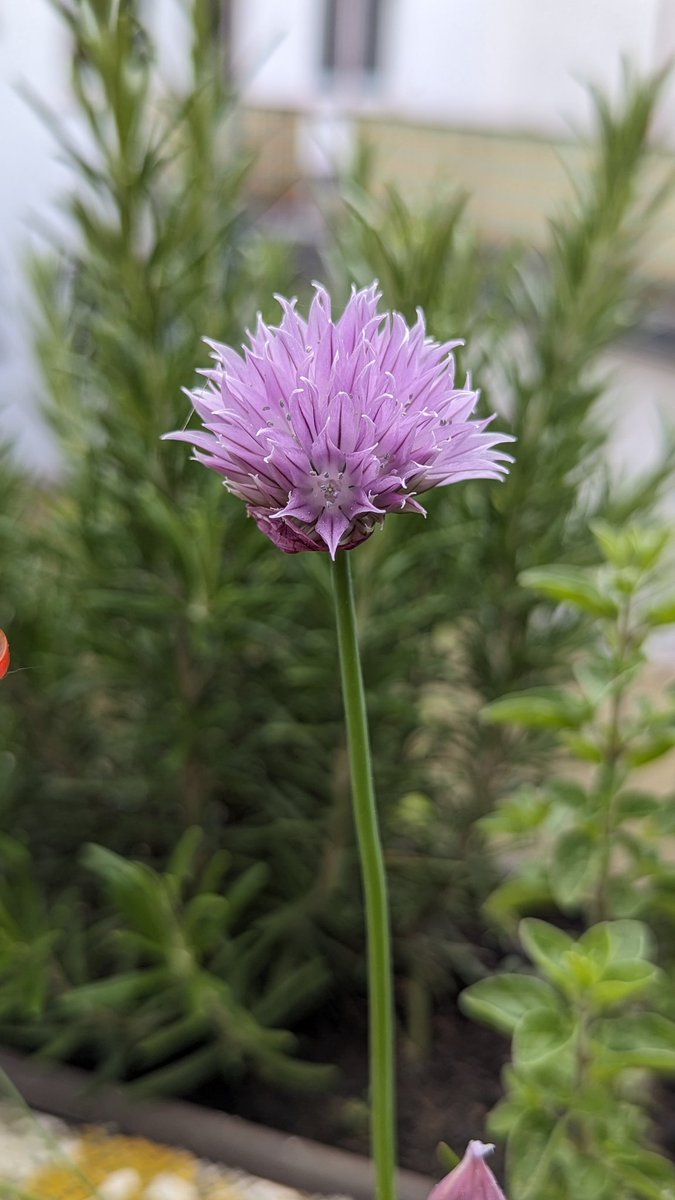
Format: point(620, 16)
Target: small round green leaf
point(570, 585)
point(546, 945)
point(540, 1034)
point(502, 1000)
point(575, 863)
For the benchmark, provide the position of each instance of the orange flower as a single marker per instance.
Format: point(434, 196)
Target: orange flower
point(4, 654)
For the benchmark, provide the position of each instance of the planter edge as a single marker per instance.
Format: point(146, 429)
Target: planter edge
point(284, 1158)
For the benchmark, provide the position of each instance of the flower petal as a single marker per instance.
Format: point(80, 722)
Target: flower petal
point(471, 1179)
point(323, 426)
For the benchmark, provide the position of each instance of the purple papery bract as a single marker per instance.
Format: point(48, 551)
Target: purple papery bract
point(471, 1179)
point(323, 427)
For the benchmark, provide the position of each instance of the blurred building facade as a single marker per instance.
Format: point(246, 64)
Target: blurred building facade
point(488, 95)
point(485, 95)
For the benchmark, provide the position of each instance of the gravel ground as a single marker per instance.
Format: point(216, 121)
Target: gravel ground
point(42, 1157)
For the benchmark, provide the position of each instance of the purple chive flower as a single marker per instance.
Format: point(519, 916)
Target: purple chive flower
point(471, 1179)
point(323, 427)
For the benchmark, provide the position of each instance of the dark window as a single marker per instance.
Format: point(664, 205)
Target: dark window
point(351, 37)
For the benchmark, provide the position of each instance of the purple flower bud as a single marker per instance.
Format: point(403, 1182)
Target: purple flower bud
point(471, 1179)
point(323, 427)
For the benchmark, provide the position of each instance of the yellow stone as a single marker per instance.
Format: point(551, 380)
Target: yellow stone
point(121, 1166)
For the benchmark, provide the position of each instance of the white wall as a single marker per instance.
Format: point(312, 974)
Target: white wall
point(494, 64)
point(491, 63)
point(276, 49)
point(33, 52)
point(501, 65)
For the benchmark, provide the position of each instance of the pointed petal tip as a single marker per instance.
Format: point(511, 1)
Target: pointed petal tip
point(480, 1149)
point(472, 1178)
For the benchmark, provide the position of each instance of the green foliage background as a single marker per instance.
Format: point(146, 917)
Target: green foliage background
point(591, 848)
point(182, 672)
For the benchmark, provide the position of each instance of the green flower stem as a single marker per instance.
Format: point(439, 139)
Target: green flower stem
point(380, 982)
point(608, 786)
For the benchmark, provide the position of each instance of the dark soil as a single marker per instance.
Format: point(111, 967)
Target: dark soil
point(445, 1098)
point(663, 1112)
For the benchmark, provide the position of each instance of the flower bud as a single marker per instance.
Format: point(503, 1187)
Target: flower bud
point(471, 1179)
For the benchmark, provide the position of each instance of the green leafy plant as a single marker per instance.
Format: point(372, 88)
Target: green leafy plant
point(568, 305)
point(585, 1040)
point(539, 321)
point(33, 933)
point(181, 672)
point(160, 254)
point(423, 256)
point(536, 325)
point(170, 986)
point(598, 836)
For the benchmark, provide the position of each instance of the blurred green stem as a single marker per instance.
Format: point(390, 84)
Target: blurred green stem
point(380, 982)
point(608, 785)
